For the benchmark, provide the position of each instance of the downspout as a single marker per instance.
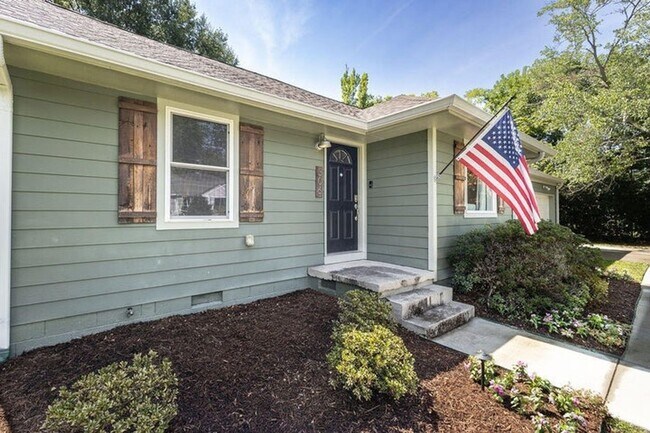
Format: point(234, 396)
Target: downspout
point(6, 154)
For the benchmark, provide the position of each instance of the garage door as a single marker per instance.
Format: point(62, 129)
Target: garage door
point(544, 204)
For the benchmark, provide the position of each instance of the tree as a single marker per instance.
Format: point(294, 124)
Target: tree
point(174, 22)
point(354, 90)
point(591, 100)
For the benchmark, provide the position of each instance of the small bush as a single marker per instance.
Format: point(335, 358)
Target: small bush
point(364, 309)
point(122, 397)
point(375, 361)
point(519, 275)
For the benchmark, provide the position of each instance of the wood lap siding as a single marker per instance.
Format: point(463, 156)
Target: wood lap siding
point(137, 161)
point(397, 202)
point(251, 173)
point(74, 268)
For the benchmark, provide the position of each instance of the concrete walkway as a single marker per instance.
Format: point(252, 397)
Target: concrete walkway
point(625, 384)
point(622, 252)
point(630, 392)
point(561, 363)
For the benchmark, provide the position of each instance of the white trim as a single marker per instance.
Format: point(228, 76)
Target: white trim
point(432, 200)
point(36, 37)
point(362, 252)
point(6, 155)
point(557, 205)
point(481, 213)
point(164, 221)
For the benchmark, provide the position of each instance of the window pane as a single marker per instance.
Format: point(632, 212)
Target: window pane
point(198, 192)
point(479, 196)
point(199, 141)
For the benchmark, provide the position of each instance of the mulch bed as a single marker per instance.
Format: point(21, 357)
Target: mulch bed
point(619, 305)
point(260, 368)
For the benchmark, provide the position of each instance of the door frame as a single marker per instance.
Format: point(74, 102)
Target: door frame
point(361, 253)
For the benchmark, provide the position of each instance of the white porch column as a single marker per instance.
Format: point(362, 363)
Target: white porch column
point(6, 144)
point(432, 188)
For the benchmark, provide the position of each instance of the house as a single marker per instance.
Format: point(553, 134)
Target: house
point(139, 180)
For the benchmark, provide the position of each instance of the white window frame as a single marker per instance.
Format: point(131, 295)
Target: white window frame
point(480, 213)
point(164, 220)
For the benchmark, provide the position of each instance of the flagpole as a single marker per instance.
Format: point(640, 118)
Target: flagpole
point(475, 135)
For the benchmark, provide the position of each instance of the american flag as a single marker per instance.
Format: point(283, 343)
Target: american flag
point(497, 158)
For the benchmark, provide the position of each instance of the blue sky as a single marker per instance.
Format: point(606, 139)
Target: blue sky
point(408, 46)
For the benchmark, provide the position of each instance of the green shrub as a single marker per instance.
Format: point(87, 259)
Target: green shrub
point(519, 275)
point(122, 397)
point(374, 361)
point(364, 309)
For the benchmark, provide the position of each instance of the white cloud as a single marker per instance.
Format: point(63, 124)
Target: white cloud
point(261, 31)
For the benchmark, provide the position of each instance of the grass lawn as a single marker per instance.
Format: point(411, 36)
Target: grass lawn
point(261, 367)
point(634, 269)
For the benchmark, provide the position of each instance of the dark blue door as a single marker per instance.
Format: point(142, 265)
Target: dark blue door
point(342, 199)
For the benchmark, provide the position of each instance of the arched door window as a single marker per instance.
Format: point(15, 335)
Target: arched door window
point(341, 156)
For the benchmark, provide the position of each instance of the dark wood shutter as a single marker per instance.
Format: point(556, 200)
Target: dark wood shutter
point(501, 206)
point(137, 162)
point(251, 173)
point(460, 177)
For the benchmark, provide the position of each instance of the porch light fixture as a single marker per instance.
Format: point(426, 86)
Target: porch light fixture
point(322, 143)
point(482, 356)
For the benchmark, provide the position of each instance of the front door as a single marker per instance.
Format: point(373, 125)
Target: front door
point(342, 199)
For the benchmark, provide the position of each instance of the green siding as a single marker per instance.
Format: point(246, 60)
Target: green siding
point(397, 202)
point(75, 270)
point(451, 226)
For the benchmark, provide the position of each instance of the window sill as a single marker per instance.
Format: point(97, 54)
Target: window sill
point(196, 224)
point(480, 214)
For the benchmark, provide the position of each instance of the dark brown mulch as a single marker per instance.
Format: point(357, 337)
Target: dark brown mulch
point(260, 368)
point(619, 305)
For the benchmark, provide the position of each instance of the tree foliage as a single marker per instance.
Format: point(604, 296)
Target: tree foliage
point(354, 90)
point(174, 22)
point(589, 96)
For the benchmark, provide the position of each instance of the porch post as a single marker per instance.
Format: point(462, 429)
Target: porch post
point(432, 202)
point(6, 140)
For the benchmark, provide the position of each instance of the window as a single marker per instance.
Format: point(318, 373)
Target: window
point(480, 200)
point(200, 168)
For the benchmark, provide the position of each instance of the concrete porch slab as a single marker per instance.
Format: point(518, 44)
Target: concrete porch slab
point(383, 278)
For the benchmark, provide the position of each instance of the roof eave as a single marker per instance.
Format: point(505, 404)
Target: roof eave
point(32, 36)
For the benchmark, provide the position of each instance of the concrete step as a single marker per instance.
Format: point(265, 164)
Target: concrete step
point(384, 278)
point(438, 320)
point(417, 301)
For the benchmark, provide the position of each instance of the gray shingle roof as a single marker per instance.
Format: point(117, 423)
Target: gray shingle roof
point(53, 17)
point(394, 105)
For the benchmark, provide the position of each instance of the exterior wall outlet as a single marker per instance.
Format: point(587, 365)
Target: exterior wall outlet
point(129, 312)
point(250, 240)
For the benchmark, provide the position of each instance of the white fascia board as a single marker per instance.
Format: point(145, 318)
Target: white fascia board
point(58, 43)
point(539, 176)
point(6, 145)
point(31, 36)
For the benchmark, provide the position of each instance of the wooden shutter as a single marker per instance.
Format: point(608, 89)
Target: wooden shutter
point(137, 162)
point(251, 173)
point(501, 206)
point(460, 177)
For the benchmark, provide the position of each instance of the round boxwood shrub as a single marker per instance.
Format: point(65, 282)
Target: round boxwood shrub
point(374, 361)
point(122, 397)
point(517, 275)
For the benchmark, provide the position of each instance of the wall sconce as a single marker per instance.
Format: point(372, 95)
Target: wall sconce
point(322, 143)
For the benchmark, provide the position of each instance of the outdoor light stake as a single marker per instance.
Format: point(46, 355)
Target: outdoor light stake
point(482, 356)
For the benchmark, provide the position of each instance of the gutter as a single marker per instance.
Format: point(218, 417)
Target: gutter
point(6, 144)
point(55, 42)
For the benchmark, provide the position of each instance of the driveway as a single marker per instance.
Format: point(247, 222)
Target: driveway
point(639, 254)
